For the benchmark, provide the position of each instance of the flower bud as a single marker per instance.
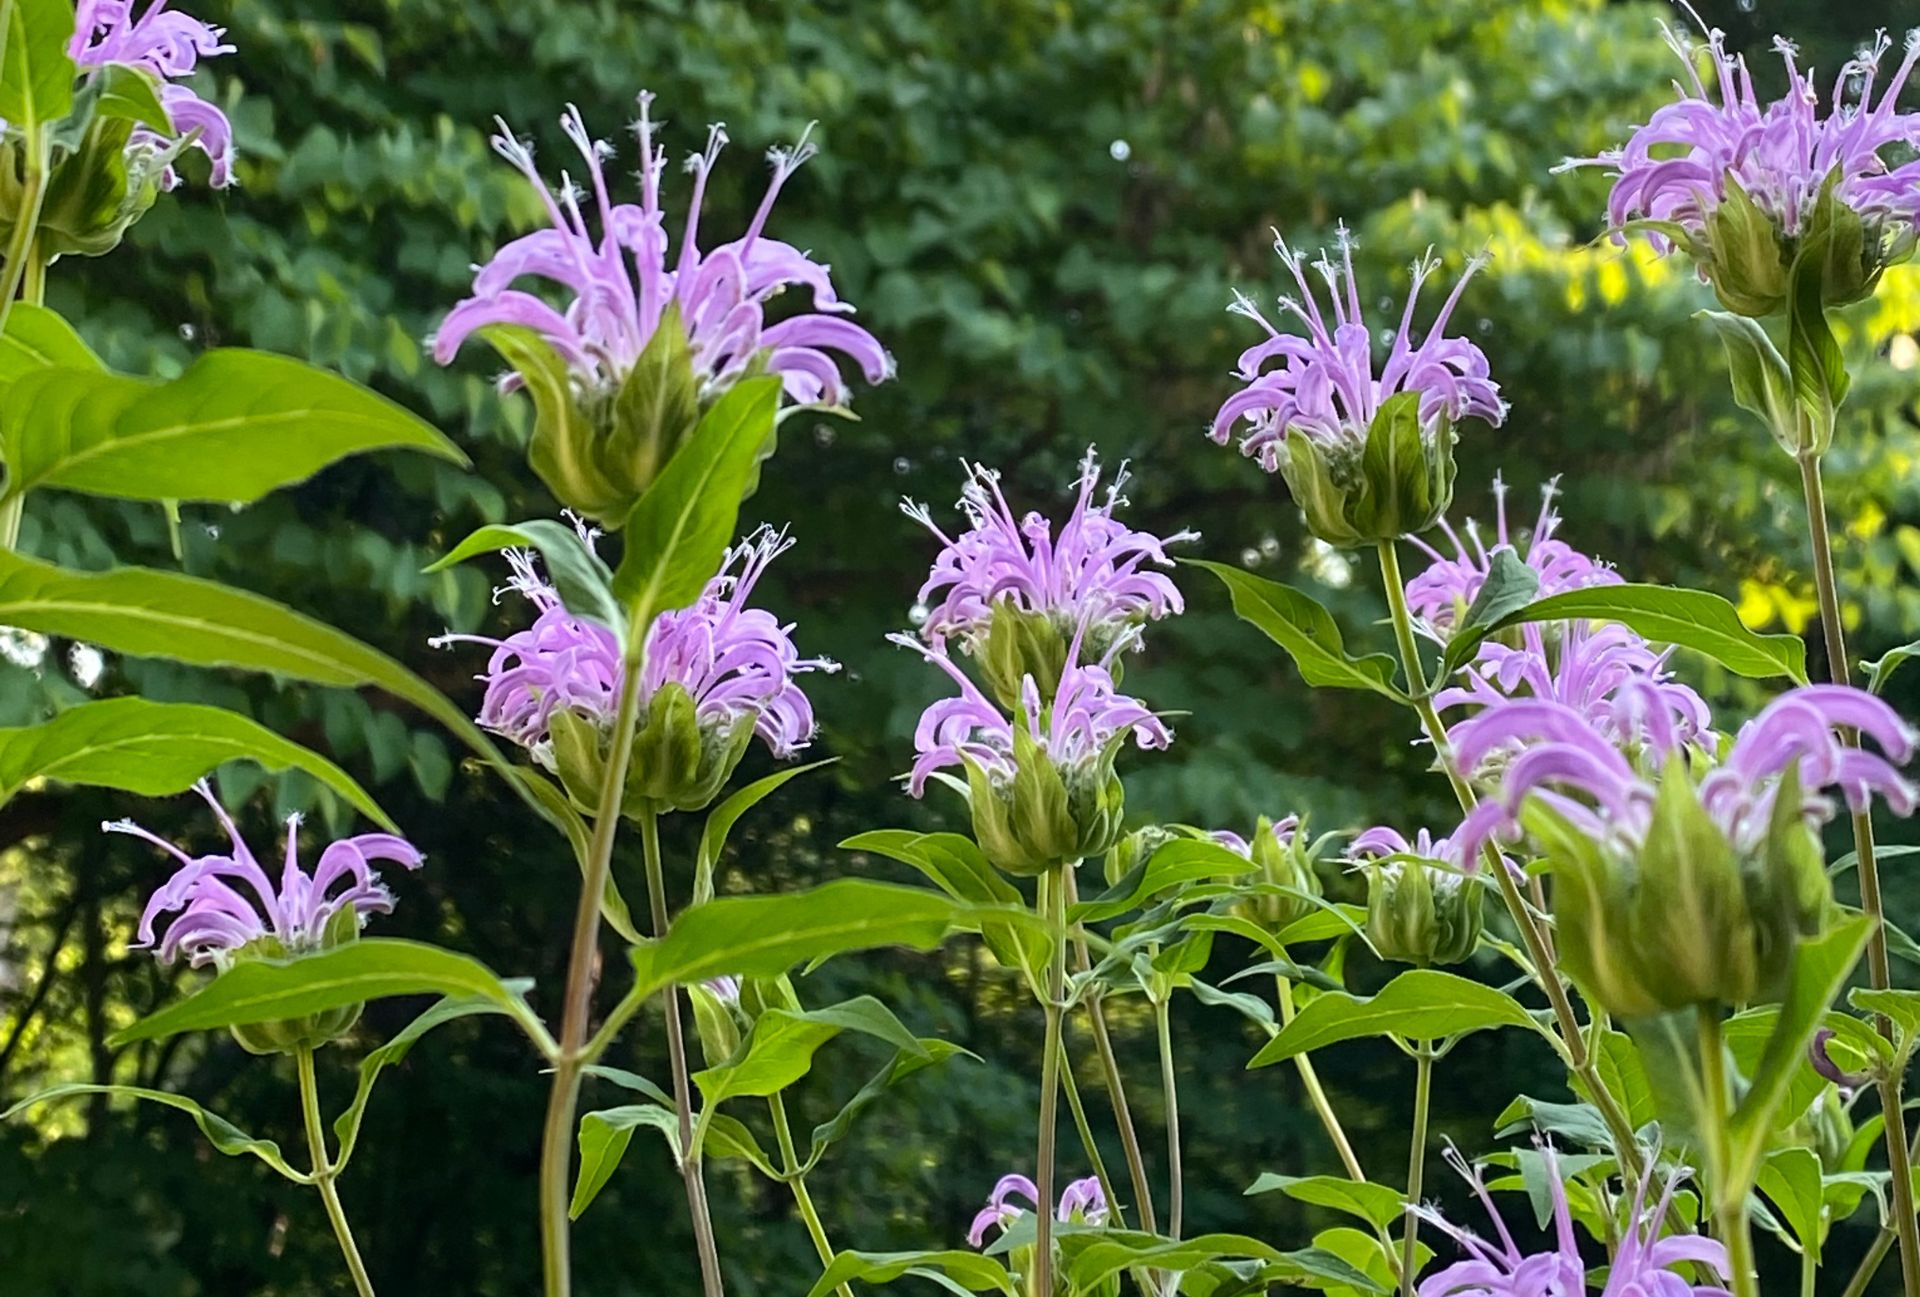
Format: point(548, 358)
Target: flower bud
point(1135, 849)
point(1398, 483)
point(1043, 816)
point(1420, 913)
point(679, 763)
point(1018, 644)
point(314, 1030)
point(717, 1017)
point(1287, 884)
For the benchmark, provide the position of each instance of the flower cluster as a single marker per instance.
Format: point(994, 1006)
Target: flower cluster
point(622, 285)
point(1082, 1202)
point(225, 903)
point(1643, 1263)
point(169, 45)
point(1440, 595)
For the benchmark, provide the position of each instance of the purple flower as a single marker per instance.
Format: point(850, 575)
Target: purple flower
point(227, 902)
point(1561, 758)
point(725, 988)
point(168, 44)
point(1679, 165)
point(1082, 1202)
point(733, 660)
point(1642, 1266)
point(621, 284)
point(1383, 842)
point(1077, 729)
point(1284, 832)
point(1441, 595)
point(1322, 385)
point(1097, 572)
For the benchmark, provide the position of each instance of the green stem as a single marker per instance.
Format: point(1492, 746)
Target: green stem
point(1869, 1264)
point(33, 192)
point(790, 1162)
point(1085, 1130)
point(1316, 1095)
point(1730, 1198)
point(1539, 948)
point(1416, 1167)
point(1879, 970)
point(1809, 1271)
point(692, 1174)
point(1053, 897)
point(1110, 1071)
point(324, 1173)
point(1176, 1179)
point(556, 1154)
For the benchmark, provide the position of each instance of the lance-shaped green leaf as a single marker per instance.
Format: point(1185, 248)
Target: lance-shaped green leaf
point(1306, 630)
point(158, 748)
point(37, 338)
point(901, 1066)
point(221, 1133)
point(236, 425)
point(604, 1137)
point(1510, 585)
point(583, 582)
point(1761, 384)
point(1376, 1204)
point(1790, 1177)
point(763, 936)
point(780, 1048)
point(1420, 1004)
point(36, 72)
point(269, 990)
point(1183, 860)
point(682, 526)
point(722, 818)
point(957, 866)
point(346, 1126)
point(955, 1271)
point(1881, 669)
point(1692, 619)
point(130, 94)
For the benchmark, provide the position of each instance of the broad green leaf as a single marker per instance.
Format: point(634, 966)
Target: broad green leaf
point(236, 425)
point(1345, 1246)
point(1761, 384)
point(604, 1137)
point(583, 582)
point(1510, 585)
point(1094, 1257)
point(1579, 1123)
point(722, 818)
point(682, 526)
point(561, 450)
point(36, 72)
point(951, 861)
point(898, 1069)
point(780, 1048)
point(1374, 1203)
point(269, 990)
point(969, 1270)
point(1901, 1007)
point(1421, 1004)
point(37, 338)
point(658, 401)
point(1790, 1177)
point(1183, 860)
point(346, 1127)
point(132, 94)
point(1878, 671)
point(1691, 619)
point(1618, 1061)
point(1307, 631)
point(155, 749)
point(762, 936)
point(221, 1133)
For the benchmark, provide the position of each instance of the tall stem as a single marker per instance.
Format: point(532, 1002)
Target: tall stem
point(1539, 949)
point(1730, 1200)
point(33, 192)
point(1879, 971)
point(1316, 1095)
point(1176, 1179)
point(1416, 1167)
point(556, 1154)
point(1110, 1071)
point(692, 1174)
point(1084, 1129)
point(790, 1163)
point(1053, 896)
point(324, 1173)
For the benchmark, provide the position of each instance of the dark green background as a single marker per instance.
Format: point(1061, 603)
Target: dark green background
point(1041, 293)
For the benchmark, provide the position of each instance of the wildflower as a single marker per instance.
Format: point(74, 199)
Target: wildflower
point(169, 45)
point(1012, 594)
point(1421, 908)
point(702, 313)
point(1642, 1264)
point(226, 909)
point(1367, 458)
point(1286, 886)
point(1745, 186)
point(1082, 1202)
point(1683, 882)
point(1041, 786)
point(1440, 596)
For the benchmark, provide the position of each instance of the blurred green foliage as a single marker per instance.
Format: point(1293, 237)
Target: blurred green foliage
point(1042, 208)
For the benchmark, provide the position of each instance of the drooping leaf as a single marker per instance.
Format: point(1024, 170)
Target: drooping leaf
point(1790, 1177)
point(1307, 631)
point(583, 582)
point(901, 1066)
point(1761, 384)
point(269, 990)
point(780, 1048)
point(1374, 1203)
point(1577, 1123)
point(1878, 672)
point(236, 425)
point(346, 1127)
point(722, 818)
point(221, 1133)
point(604, 1137)
point(1422, 1004)
point(970, 1271)
point(1182, 860)
point(155, 749)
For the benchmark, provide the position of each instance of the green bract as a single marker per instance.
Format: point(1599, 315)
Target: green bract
point(679, 763)
point(1420, 914)
point(1042, 817)
point(310, 1031)
point(1398, 484)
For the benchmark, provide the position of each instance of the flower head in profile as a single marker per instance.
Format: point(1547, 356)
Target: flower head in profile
point(225, 902)
point(169, 45)
point(1742, 182)
point(1643, 1265)
point(623, 281)
point(1096, 572)
point(1283, 833)
point(1421, 907)
point(1440, 595)
point(1082, 1202)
